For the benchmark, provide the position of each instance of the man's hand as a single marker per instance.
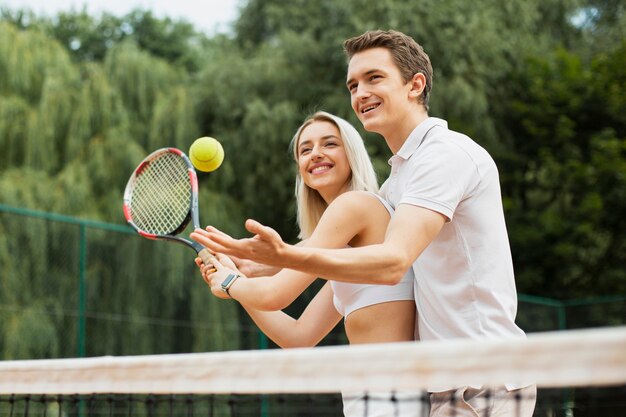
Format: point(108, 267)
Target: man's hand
point(253, 269)
point(249, 268)
point(266, 246)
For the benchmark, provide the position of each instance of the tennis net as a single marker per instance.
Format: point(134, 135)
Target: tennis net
point(578, 373)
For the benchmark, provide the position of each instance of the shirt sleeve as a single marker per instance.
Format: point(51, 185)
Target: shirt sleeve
point(441, 176)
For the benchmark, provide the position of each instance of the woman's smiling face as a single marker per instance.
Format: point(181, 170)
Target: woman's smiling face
point(322, 160)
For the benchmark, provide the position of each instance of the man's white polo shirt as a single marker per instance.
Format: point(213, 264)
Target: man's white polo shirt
point(465, 285)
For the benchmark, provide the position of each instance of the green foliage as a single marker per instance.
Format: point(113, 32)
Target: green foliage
point(14, 121)
point(29, 60)
point(140, 79)
point(173, 41)
point(89, 38)
point(30, 334)
point(71, 134)
point(603, 24)
point(564, 175)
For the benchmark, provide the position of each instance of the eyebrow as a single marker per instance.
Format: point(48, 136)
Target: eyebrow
point(304, 142)
point(325, 137)
point(369, 72)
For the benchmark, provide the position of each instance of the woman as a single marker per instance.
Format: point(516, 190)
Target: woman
point(337, 207)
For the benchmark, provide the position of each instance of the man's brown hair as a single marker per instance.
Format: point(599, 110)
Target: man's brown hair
point(408, 55)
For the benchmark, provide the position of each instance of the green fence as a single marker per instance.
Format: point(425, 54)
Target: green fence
point(539, 314)
point(72, 287)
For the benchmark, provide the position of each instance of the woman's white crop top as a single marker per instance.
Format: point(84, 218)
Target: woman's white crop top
point(349, 297)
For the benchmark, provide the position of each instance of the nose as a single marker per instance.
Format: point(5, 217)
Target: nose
point(361, 92)
point(359, 95)
point(316, 153)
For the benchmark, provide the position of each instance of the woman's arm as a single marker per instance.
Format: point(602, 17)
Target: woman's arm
point(317, 320)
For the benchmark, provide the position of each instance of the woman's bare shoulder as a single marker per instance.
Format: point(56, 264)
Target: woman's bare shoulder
point(359, 203)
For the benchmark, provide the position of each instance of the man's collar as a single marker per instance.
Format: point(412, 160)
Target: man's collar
point(417, 136)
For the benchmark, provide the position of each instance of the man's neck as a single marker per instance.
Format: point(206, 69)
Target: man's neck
point(396, 138)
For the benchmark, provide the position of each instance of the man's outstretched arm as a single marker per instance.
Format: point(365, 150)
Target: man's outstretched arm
point(410, 231)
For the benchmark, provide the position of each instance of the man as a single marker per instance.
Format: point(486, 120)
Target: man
point(448, 225)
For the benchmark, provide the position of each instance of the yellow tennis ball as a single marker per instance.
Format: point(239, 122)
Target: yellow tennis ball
point(206, 154)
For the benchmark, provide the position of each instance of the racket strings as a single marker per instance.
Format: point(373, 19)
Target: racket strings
point(161, 196)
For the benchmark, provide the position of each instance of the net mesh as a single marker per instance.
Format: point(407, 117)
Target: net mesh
point(578, 373)
point(606, 402)
point(160, 194)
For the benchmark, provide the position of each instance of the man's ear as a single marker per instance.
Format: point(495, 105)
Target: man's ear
point(418, 84)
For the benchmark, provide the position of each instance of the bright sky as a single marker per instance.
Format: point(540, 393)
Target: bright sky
point(210, 16)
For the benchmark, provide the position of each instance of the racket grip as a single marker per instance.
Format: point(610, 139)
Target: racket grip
point(206, 256)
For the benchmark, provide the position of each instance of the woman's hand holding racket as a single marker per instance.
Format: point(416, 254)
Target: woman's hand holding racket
point(214, 274)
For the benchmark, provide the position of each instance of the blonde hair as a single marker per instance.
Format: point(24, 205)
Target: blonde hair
point(310, 203)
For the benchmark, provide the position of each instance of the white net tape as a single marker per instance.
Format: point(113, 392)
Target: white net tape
point(574, 358)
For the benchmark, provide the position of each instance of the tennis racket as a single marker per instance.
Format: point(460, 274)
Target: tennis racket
point(161, 198)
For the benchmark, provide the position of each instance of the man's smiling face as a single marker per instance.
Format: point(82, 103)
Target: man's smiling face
point(378, 94)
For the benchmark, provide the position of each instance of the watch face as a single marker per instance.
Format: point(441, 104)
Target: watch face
point(226, 283)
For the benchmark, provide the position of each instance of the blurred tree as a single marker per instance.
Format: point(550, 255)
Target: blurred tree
point(563, 177)
point(89, 38)
point(20, 18)
point(71, 132)
point(603, 22)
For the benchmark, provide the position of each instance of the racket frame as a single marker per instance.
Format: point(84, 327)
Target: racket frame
point(192, 215)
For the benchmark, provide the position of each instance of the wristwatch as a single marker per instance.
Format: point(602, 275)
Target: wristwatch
point(228, 282)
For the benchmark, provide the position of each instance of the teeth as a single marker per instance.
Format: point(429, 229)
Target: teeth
point(368, 108)
point(320, 169)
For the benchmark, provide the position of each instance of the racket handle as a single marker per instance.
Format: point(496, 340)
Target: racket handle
point(206, 256)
